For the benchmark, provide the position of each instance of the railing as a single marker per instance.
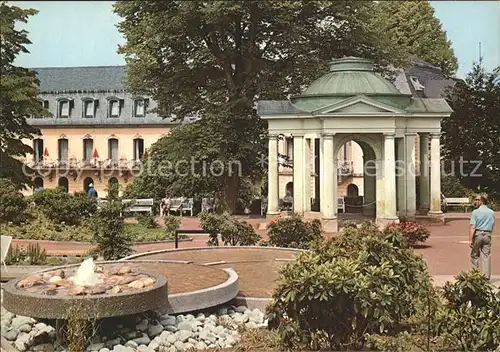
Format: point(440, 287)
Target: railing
point(84, 164)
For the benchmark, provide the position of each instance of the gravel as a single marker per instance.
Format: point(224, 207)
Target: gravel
point(154, 332)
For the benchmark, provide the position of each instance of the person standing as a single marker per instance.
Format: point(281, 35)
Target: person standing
point(482, 223)
point(92, 192)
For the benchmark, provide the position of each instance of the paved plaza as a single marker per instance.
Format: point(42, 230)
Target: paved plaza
point(446, 251)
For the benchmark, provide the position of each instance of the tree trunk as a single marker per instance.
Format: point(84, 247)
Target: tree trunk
point(231, 193)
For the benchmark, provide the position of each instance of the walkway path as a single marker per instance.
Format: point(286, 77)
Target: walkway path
point(446, 251)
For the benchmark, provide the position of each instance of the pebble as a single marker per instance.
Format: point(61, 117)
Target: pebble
point(166, 333)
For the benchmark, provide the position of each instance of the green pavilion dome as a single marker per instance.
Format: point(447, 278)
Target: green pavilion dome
point(348, 77)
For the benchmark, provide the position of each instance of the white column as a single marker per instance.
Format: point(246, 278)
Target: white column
point(329, 177)
point(424, 172)
point(435, 206)
point(307, 174)
point(298, 174)
point(321, 173)
point(273, 176)
point(400, 177)
point(410, 180)
point(390, 177)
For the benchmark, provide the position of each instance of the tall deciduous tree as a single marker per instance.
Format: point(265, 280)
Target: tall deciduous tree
point(471, 137)
point(413, 27)
point(18, 91)
point(215, 58)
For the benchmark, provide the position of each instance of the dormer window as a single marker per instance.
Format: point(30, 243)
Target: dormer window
point(114, 107)
point(64, 108)
point(89, 107)
point(140, 107)
point(44, 103)
point(416, 83)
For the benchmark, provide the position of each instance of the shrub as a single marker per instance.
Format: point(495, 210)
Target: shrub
point(33, 255)
point(469, 317)
point(62, 207)
point(232, 231)
point(108, 230)
point(12, 203)
point(39, 227)
point(172, 224)
point(412, 231)
point(335, 294)
point(294, 232)
point(148, 221)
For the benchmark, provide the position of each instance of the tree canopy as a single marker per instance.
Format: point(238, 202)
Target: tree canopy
point(216, 58)
point(413, 28)
point(18, 93)
point(472, 132)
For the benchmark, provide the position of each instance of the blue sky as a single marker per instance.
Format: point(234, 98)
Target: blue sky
point(74, 33)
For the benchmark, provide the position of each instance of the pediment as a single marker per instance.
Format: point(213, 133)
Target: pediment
point(358, 105)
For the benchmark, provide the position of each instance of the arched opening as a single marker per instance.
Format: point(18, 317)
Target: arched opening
point(289, 189)
point(352, 190)
point(357, 176)
point(86, 182)
point(38, 184)
point(63, 183)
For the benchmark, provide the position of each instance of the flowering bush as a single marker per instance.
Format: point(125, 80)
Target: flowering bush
point(412, 231)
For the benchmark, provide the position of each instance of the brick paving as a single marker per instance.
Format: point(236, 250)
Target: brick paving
point(446, 252)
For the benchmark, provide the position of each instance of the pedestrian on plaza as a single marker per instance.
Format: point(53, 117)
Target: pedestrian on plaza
point(92, 192)
point(482, 223)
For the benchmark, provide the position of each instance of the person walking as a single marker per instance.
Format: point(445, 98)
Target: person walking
point(482, 222)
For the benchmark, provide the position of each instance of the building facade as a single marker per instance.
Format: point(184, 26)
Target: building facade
point(98, 132)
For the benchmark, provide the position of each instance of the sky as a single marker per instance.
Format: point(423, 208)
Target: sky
point(84, 33)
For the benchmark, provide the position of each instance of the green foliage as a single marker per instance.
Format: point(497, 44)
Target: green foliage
point(18, 94)
point(361, 282)
point(12, 203)
point(294, 232)
point(108, 231)
point(148, 221)
point(468, 321)
point(38, 227)
point(413, 232)
point(414, 29)
point(232, 231)
point(216, 60)
point(172, 224)
point(62, 207)
point(471, 133)
point(451, 187)
point(33, 255)
point(113, 191)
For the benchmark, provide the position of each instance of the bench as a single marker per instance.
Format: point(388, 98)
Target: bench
point(457, 202)
point(139, 205)
point(187, 205)
point(341, 204)
point(207, 205)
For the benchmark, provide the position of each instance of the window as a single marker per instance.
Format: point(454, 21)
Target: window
point(113, 149)
point(63, 183)
point(44, 103)
point(38, 184)
point(88, 108)
point(64, 108)
point(289, 147)
point(139, 107)
point(62, 145)
point(38, 150)
point(114, 108)
point(138, 148)
point(88, 146)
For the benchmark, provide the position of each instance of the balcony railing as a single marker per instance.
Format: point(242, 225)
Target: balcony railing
point(94, 163)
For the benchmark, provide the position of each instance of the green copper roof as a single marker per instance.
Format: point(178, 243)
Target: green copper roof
point(349, 76)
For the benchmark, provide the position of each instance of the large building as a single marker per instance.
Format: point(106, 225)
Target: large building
point(98, 132)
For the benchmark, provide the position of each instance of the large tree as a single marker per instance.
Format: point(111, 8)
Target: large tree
point(216, 58)
point(18, 92)
point(413, 28)
point(471, 138)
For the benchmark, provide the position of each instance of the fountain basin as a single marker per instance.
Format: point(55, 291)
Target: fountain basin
point(43, 300)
